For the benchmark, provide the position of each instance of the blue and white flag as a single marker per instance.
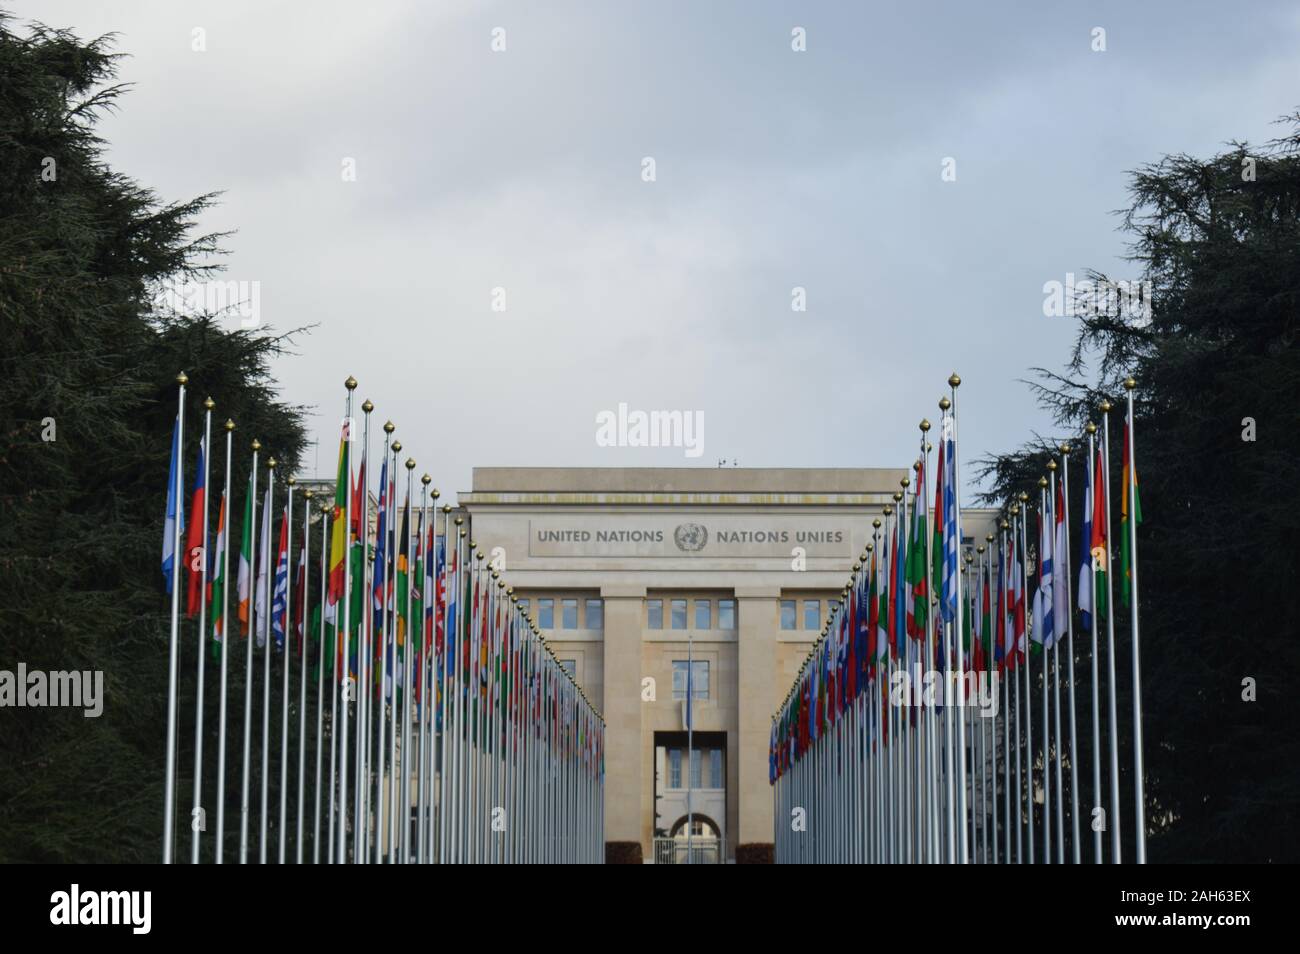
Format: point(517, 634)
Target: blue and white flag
point(175, 513)
point(951, 532)
point(1085, 552)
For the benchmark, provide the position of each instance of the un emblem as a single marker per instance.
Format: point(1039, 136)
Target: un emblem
point(690, 537)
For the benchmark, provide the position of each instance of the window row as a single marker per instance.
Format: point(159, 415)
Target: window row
point(812, 613)
point(594, 613)
point(704, 617)
point(715, 778)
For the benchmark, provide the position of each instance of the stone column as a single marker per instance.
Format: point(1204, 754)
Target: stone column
point(621, 707)
point(759, 612)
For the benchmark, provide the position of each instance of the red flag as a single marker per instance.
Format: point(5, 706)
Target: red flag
point(195, 558)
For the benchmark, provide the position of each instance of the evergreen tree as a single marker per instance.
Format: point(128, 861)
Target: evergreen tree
point(87, 401)
point(1218, 459)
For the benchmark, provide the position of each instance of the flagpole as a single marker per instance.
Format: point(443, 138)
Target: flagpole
point(225, 652)
point(197, 809)
point(420, 788)
point(361, 790)
point(268, 523)
point(173, 648)
point(954, 381)
point(1057, 625)
point(320, 682)
point(1043, 520)
point(1077, 849)
point(345, 683)
point(408, 659)
point(1095, 623)
point(1139, 782)
point(690, 729)
point(286, 664)
point(1113, 822)
point(383, 818)
point(302, 667)
point(933, 820)
point(390, 604)
point(1022, 585)
point(250, 636)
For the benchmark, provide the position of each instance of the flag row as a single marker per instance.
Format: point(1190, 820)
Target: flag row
point(428, 719)
point(926, 724)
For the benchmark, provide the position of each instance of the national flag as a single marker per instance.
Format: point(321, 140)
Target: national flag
point(1060, 566)
point(987, 635)
point(1019, 586)
point(174, 512)
point(1125, 551)
point(1044, 601)
point(217, 586)
point(247, 559)
point(263, 569)
point(1100, 545)
point(951, 532)
point(339, 530)
point(382, 556)
point(900, 589)
point(919, 605)
point(194, 542)
point(1085, 553)
point(280, 595)
point(300, 587)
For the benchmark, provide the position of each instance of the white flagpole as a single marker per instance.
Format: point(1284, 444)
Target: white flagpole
point(383, 817)
point(225, 653)
point(1043, 520)
point(1112, 822)
point(408, 662)
point(302, 669)
point(173, 649)
point(1139, 782)
point(954, 381)
point(1021, 513)
point(361, 785)
point(250, 636)
point(321, 663)
point(1069, 616)
point(268, 518)
point(286, 666)
point(425, 596)
point(1057, 626)
point(1096, 623)
point(197, 808)
point(345, 638)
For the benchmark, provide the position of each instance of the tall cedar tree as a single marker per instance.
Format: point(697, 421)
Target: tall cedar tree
point(1218, 459)
point(87, 402)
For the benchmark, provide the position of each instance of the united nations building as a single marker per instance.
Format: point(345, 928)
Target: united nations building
point(640, 576)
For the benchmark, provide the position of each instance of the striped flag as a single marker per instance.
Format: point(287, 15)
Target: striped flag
point(951, 532)
point(264, 548)
point(217, 586)
point(280, 594)
point(194, 542)
point(339, 529)
point(1060, 565)
point(174, 512)
point(1099, 543)
point(246, 559)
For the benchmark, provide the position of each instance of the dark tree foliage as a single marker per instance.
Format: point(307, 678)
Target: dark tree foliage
point(1219, 241)
point(87, 402)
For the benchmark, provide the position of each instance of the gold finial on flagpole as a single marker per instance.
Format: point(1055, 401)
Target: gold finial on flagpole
point(350, 383)
point(182, 378)
point(944, 404)
point(905, 482)
point(870, 547)
point(367, 405)
point(308, 494)
point(1042, 481)
point(410, 463)
point(389, 427)
point(925, 425)
point(230, 425)
point(270, 462)
point(1130, 383)
point(954, 380)
point(1051, 465)
point(1065, 447)
point(1091, 428)
point(397, 447)
point(1023, 496)
point(875, 523)
point(257, 445)
point(1104, 406)
point(291, 481)
point(208, 403)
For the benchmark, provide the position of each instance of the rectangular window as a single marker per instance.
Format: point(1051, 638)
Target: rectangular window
point(654, 614)
point(674, 768)
point(595, 614)
point(679, 614)
point(812, 614)
point(703, 614)
point(787, 614)
point(726, 614)
point(695, 769)
point(546, 614)
point(699, 681)
point(715, 769)
point(569, 614)
point(571, 667)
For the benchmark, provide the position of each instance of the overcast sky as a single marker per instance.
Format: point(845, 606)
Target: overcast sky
point(522, 170)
